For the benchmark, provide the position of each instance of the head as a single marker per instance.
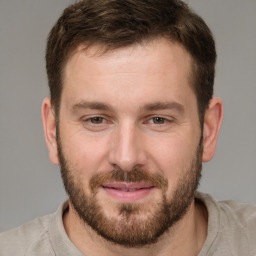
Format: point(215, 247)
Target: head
point(116, 24)
point(131, 115)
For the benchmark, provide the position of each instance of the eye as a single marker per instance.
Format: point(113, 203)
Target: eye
point(96, 123)
point(158, 120)
point(97, 120)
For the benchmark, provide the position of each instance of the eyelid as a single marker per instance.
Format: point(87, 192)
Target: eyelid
point(88, 117)
point(94, 127)
point(94, 118)
point(167, 119)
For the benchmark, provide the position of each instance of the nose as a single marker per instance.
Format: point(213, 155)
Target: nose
point(126, 150)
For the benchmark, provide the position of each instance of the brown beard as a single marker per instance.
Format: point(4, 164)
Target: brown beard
point(129, 229)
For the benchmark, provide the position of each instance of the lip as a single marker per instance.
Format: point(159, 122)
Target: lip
point(128, 192)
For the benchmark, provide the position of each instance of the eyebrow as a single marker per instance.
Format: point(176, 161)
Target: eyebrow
point(163, 105)
point(91, 105)
point(148, 107)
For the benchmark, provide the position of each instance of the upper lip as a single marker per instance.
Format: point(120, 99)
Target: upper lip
point(123, 185)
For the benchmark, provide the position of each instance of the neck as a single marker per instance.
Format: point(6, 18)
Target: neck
point(186, 237)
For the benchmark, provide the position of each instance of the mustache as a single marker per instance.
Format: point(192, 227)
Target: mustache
point(136, 175)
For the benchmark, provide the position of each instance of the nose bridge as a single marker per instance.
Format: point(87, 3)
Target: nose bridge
point(126, 151)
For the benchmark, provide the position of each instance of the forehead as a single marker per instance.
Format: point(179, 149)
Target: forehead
point(155, 54)
point(149, 69)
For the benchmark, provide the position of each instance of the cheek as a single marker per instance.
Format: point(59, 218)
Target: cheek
point(172, 156)
point(85, 154)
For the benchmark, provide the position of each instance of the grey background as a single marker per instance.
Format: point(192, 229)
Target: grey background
point(30, 186)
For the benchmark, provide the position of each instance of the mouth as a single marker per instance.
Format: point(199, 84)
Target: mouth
point(128, 192)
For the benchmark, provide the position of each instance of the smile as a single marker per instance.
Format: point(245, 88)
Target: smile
point(128, 192)
point(127, 189)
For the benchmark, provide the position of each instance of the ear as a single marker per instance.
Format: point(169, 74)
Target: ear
point(49, 125)
point(212, 123)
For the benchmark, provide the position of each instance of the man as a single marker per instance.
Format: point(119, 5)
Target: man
point(130, 120)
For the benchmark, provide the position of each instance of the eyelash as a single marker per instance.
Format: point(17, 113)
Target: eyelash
point(89, 120)
point(163, 119)
point(95, 119)
point(103, 118)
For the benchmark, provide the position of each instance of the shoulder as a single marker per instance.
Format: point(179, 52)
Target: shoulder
point(244, 214)
point(236, 223)
point(240, 224)
point(18, 241)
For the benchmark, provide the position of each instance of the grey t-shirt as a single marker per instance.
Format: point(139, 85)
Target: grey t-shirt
point(231, 232)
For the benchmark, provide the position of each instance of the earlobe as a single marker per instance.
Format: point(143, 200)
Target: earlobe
point(212, 123)
point(49, 125)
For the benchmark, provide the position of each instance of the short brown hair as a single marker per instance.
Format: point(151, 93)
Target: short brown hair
point(114, 24)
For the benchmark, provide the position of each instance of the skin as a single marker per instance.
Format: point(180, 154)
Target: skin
point(128, 80)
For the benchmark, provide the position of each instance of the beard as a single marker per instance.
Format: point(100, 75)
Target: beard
point(133, 226)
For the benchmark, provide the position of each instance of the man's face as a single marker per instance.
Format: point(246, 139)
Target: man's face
point(129, 139)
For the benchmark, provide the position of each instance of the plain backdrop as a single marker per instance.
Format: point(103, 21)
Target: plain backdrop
point(31, 186)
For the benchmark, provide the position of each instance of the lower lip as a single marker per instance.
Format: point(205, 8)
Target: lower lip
point(128, 196)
